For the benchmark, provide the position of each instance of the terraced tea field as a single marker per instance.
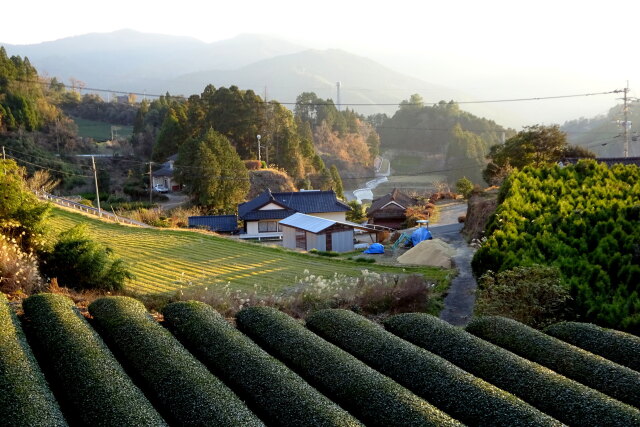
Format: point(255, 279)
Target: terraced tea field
point(122, 367)
point(167, 260)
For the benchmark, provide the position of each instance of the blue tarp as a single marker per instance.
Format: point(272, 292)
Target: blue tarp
point(375, 248)
point(419, 235)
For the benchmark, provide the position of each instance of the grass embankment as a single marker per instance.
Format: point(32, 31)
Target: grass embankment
point(168, 260)
point(101, 131)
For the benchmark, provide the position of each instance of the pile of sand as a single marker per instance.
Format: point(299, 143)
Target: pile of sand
point(435, 253)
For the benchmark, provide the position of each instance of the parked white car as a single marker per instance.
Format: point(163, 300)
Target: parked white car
point(160, 188)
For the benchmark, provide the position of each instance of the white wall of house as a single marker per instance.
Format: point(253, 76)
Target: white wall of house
point(342, 241)
point(270, 207)
point(252, 227)
point(163, 180)
point(333, 216)
point(288, 237)
point(315, 241)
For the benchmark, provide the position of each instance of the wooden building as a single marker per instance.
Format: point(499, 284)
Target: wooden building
point(390, 209)
point(306, 232)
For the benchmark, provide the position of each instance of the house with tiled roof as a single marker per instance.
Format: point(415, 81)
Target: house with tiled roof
point(163, 177)
point(390, 209)
point(262, 214)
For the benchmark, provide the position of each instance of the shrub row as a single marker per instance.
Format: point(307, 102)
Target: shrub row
point(560, 397)
point(619, 347)
point(275, 392)
point(87, 377)
point(372, 397)
point(181, 385)
point(587, 368)
point(25, 398)
point(463, 396)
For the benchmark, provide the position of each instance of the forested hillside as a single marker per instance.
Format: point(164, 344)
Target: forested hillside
point(604, 134)
point(582, 219)
point(452, 140)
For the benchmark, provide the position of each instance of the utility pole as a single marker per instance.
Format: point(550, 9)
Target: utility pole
point(4, 157)
point(259, 155)
point(95, 177)
point(150, 184)
point(625, 110)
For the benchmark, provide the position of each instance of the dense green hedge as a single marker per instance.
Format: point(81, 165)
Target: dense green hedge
point(587, 368)
point(583, 219)
point(275, 392)
point(181, 385)
point(616, 346)
point(88, 378)
point(463, 396)
point(372, 397)
point(25, 398)
point(558, 396)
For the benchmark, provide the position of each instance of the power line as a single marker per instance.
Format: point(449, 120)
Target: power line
point(373, 104)
point(47, 168)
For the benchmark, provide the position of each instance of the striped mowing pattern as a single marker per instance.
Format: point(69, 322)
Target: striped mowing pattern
point(167, 260)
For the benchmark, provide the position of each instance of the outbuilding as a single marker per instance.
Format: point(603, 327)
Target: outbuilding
point(300, 231)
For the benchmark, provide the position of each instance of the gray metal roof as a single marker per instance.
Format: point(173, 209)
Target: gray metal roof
point(309, 223)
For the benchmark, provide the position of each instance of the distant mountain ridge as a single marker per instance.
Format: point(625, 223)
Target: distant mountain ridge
point(132, 61)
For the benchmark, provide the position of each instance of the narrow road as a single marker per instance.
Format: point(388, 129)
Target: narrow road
point(367, 192)
point(459, 302)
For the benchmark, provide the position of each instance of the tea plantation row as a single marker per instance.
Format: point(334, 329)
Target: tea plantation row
point(122, 367)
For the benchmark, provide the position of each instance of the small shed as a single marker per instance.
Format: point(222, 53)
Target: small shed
point(300, 231)
point(217, 223)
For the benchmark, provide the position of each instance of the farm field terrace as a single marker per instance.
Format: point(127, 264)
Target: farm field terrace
point(168, 260)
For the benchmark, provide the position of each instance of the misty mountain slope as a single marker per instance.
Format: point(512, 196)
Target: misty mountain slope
point(134, 61)
point(363, 81)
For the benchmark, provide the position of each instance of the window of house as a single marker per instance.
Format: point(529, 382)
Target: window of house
point(269, 226)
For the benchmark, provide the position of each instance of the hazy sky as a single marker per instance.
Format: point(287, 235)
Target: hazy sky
point(490, 49)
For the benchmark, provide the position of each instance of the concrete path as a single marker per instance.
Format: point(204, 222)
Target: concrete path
point(459, 302)
point(367, 192)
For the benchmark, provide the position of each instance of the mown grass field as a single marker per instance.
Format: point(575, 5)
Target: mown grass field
point(167, 260)
point(100, 131)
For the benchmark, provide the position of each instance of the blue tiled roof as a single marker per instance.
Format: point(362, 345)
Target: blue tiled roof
point(303, 201)
point(223, 223)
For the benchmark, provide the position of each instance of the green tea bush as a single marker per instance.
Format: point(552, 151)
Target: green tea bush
point(461, 395)
point(25, 398)
point(80, 262)
point(532, 295)
point(180, 384)
point(91, 382)
point(558, 396)
point(587, 368)
point(275, 392)
point(616, 346)
point(372, 397)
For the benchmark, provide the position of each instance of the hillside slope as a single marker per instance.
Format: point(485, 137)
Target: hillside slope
point(169, 260)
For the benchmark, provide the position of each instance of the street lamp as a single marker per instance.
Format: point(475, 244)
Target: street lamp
point(259, 156)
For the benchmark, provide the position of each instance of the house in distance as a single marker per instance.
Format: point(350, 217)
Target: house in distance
point(390, 210)
point(262, 214)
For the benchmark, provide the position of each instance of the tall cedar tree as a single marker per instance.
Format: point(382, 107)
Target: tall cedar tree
point(212, 172)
